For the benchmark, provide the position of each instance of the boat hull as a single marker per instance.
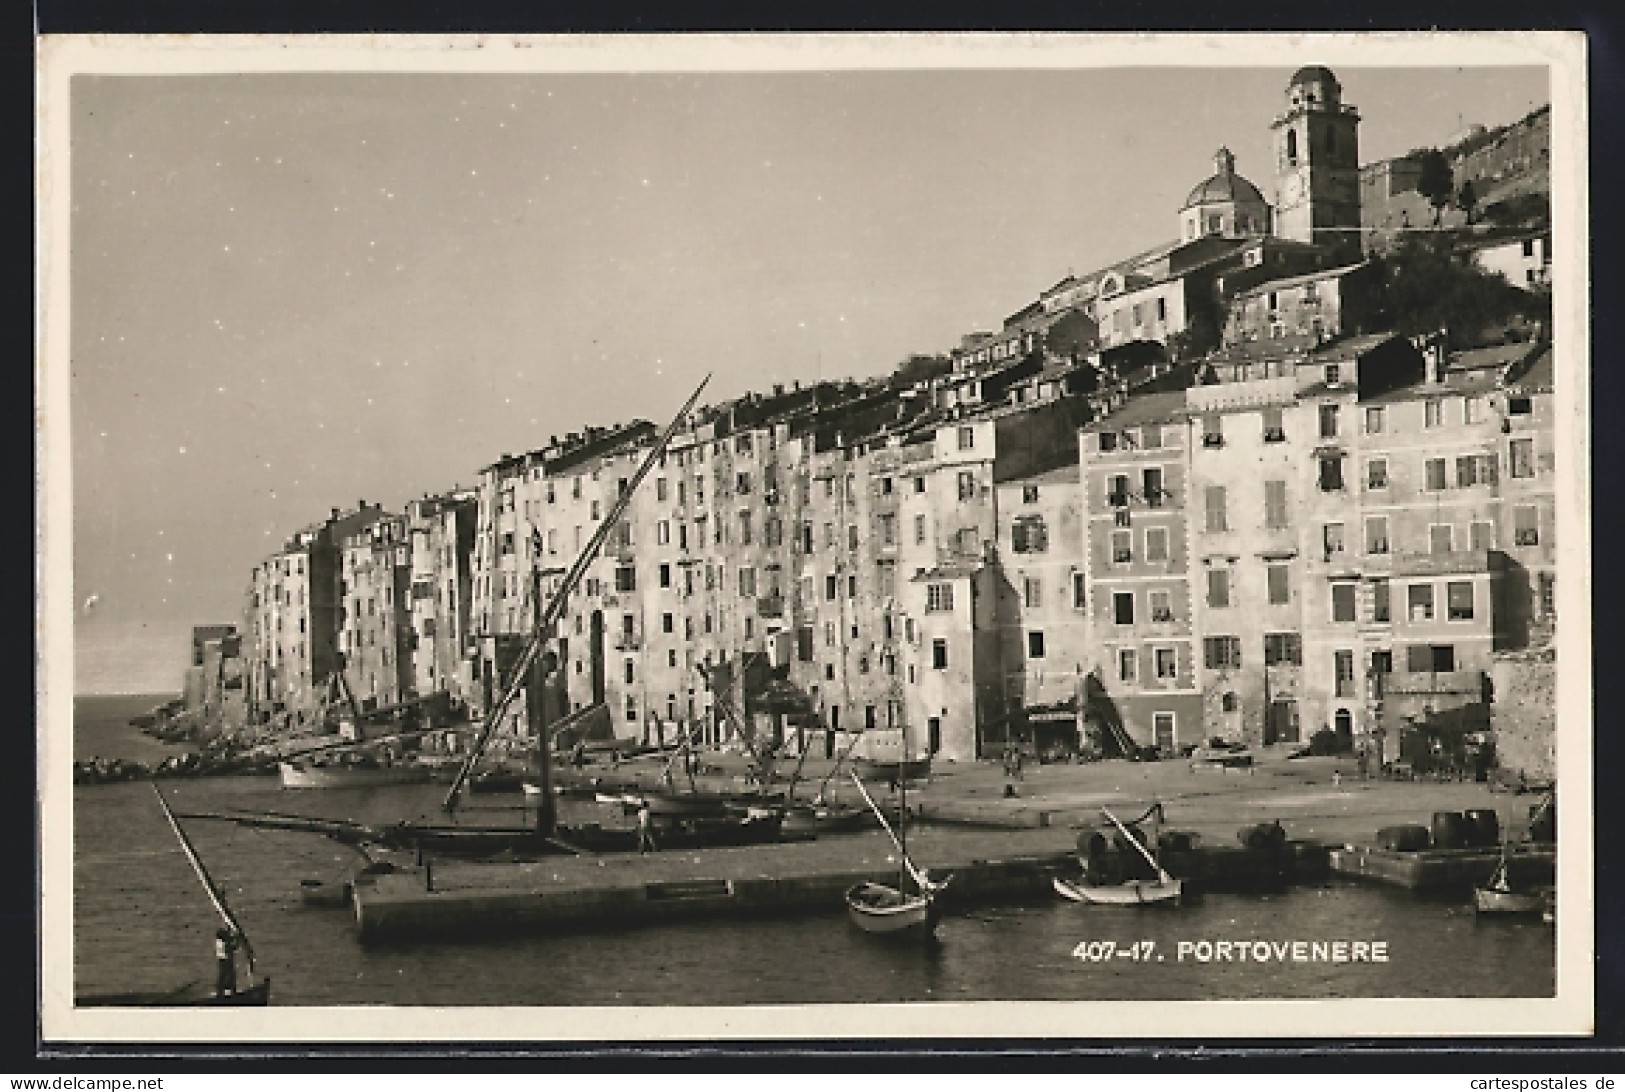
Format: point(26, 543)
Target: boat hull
point(885, 911)
point(350, 777)
point(1490, 900)
point(188, 996)
point(1166, 892)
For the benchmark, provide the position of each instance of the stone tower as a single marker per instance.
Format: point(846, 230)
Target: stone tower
point(1317, 162)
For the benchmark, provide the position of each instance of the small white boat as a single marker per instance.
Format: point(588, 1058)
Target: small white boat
point(1500, 897)
point(300, 775)
point(877, 908)
point(1164, 889)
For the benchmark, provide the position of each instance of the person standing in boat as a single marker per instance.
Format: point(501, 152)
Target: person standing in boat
point(225, 961)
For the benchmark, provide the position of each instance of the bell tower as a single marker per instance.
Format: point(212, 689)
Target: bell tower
point(1317, 162)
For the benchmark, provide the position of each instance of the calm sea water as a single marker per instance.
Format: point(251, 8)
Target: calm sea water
point(142, 922)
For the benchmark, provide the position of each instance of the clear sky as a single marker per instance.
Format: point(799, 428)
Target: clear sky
point(293, 292)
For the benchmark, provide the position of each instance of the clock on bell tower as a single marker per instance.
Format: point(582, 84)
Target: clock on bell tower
point(1317, 162)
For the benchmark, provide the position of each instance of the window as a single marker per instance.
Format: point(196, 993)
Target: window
point(1125, 664)
point(939, 653)
point(1419, 601)
point(1151, 435)
point(1029, 535)
point(919, 485)
point(662, 533)
point(668, 623)
point(1433, 471)
point(1379, 601)
point(851, 536)
point(1167, 661)
point(852, 586)
point(1432, 413)
point(1029, 494)
point(747, 582)
point(1035, 645)
point(1343, 602)
point(1328, 421)
point(1080, 591)
point(938, 597)
point(1117, 490)
point(1139, 318)
point(967, 437)
point(1376, 534)
point(1474, 470)
point(631, 670)
point(1151, 480)
point(1526, 526)
point(1161, 606)
point(1156, 544)
point(1431, 658)
point(1108, 441)
point(1441, 538)
point(888, 529)
point(1332, 539)
point(744, 529)
point(1376, 474)
point(1123, 608)
point(1374, 419)
point(1521, 458)
point(1280, 586)
point(1216, 521)
point(1458, 598)
point(1283, 648)
point(1122, 547)
point(1274, 426)
point(1218, 588)
point(1343, 671)
point(773, 531)
point(1032, 592)
point(626, 578)
point(1472, 409)
point(1518, 406)
point(665, 575)
point(1221, 652)
point(1275, 514)
point(1212, 430)
point(1481, 535)
point(919, 530)
point(1334, 372)
point(1331, 473)
point(967, 485)
point(830, 588)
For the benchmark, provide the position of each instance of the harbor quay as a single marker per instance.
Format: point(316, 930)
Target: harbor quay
point(998, 847)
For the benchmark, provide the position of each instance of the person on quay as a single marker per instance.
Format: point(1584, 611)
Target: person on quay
point(646, 838)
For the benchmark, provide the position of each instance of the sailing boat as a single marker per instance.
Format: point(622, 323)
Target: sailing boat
point(1498, 896)
point(1165, 889)
point(893, 911)
point(256, 993)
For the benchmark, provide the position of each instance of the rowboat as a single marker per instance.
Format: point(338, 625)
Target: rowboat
point(303, 775)
point(1164, 890)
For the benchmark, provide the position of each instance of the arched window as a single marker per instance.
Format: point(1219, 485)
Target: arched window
point(1344, 722)
point(1229, 702)
point(1291, 145)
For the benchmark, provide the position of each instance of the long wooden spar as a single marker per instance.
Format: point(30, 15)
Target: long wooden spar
point(214, 893)
point(555, 605)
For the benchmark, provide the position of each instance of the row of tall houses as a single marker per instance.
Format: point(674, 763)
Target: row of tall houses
point(1079, 526)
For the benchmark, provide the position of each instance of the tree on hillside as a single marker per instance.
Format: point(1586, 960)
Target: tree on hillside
point(1436, 182)
point(920, 367)
point(1426, 286)
point(1467, 199)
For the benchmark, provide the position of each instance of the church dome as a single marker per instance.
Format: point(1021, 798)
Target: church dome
point(1225, 185)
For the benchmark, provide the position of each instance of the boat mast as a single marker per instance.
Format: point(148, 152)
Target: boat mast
point(215, 896)
point(520, 672)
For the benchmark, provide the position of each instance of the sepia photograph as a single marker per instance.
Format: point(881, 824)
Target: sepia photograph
point(814, 537)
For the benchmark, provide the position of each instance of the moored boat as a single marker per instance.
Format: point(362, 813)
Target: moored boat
point(1162, 889)
point(305, 775)
point(1498, 896)
point(877, 908)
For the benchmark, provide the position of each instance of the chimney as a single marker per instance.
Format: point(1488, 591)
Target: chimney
point(778, 390)
point(335, 514)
